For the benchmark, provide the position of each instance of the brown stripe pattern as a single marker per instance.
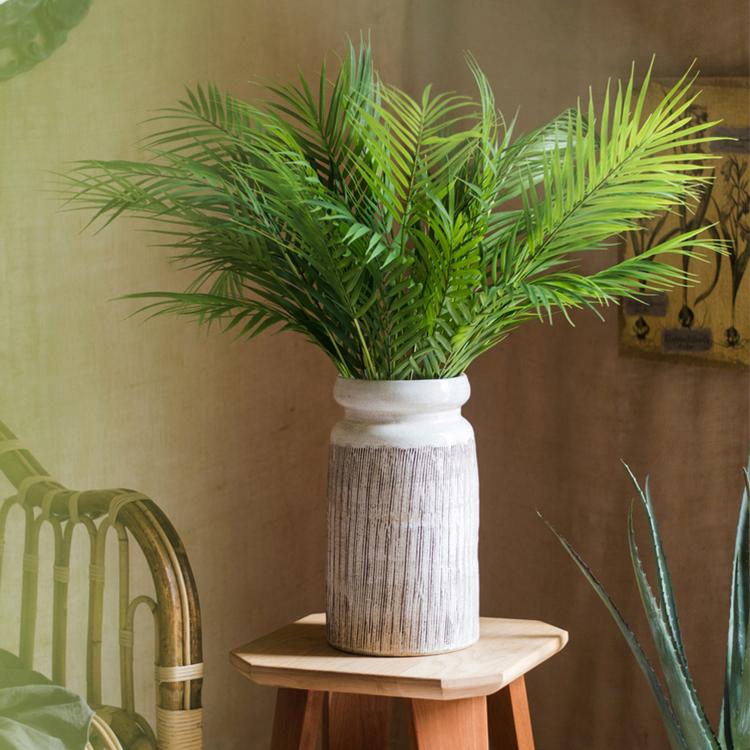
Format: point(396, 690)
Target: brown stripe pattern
point(402, 549)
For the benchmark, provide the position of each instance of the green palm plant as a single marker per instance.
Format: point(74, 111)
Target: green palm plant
point(682, 713)
point(402, 236)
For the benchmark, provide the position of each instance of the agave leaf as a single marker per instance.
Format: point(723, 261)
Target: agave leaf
point(674, 733)
point(734, 728)
point(683, 714)
point(666, 594)
point(687, 709)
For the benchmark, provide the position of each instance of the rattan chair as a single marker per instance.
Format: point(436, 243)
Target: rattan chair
point(176, 612)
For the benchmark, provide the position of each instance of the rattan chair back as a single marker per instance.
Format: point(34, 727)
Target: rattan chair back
point(136, 521)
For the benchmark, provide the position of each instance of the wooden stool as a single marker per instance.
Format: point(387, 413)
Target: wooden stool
point(472, 699)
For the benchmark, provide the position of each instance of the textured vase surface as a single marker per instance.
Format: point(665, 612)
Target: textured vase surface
point(403, 519)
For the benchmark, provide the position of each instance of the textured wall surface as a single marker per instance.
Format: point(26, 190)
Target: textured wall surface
point(232, 439)
point(555, 409)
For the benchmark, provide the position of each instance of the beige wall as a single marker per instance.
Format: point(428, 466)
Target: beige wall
point(556, 409)
point(231, 438)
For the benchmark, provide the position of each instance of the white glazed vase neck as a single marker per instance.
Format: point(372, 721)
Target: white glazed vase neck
point(402, 413)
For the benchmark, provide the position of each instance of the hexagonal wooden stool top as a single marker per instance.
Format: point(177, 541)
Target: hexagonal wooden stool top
point(298, 656)
point(446, 693)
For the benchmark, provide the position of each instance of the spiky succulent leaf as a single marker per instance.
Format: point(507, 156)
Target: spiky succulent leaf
point(687, 709)
point(676, 738)
point(664, 580)
point(683, 715)
point(735, 710)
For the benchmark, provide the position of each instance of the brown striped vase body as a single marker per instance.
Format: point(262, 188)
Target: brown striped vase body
point(403, 519)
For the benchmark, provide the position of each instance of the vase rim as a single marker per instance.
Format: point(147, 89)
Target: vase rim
point(402, 396)
point(455, 378)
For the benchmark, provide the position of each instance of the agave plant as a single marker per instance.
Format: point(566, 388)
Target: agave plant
point(681, 710)
point(402, 236)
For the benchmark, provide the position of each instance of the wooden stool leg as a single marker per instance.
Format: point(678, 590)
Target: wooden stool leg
point(449, 725)
point(509, 718)
point(358, 721)
point(296, 722)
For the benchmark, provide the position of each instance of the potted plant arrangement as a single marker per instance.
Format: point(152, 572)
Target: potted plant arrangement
point(682, 713)
point(403, 237)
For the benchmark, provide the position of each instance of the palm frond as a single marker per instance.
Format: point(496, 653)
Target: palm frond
point(403, 236)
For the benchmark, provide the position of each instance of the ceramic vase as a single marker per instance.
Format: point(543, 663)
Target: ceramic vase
point(403, 519)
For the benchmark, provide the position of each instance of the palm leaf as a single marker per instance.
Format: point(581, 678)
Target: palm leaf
point(404, 236)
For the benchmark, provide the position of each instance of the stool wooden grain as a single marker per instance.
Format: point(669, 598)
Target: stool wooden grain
point(473, 699)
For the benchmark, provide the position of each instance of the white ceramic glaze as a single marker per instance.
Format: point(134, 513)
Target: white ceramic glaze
point(402, 413)
point(403, 519)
